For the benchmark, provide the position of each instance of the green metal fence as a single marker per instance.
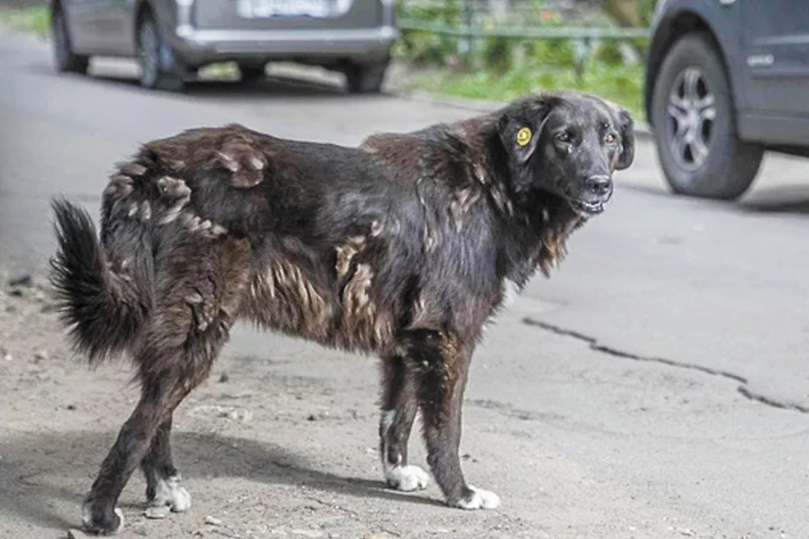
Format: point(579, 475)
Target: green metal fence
point(471, 28)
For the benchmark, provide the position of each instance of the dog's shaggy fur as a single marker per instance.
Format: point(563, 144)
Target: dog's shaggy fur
point(404, 247)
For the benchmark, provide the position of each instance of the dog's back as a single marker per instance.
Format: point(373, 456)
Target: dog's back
point(315, 240)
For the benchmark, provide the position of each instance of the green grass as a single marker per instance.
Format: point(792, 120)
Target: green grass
point(620, 84)
point(34, 19)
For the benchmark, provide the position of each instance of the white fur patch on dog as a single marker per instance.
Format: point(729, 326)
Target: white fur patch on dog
point(406, 478)
point(510, 292)
point(481, 499)
point(87, 518)
point(169, 492)
point(388, 417)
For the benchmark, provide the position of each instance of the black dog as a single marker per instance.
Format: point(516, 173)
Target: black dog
point(404, 247)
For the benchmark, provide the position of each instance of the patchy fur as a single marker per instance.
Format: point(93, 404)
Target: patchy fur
point(402, 247)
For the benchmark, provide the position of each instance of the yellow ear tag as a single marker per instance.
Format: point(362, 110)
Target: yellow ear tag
point(523, 136)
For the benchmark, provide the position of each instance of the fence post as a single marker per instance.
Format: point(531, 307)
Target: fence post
point(583, 47)
point(465, 43)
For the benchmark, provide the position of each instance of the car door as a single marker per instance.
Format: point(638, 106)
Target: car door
point(111, 20)
point(776, 50)
point(84, 33)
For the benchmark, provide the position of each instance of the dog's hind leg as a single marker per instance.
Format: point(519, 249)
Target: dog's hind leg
point(441, 361)
point(162, 478)
point(196, 305)
point(160, 394)
point(399, 406)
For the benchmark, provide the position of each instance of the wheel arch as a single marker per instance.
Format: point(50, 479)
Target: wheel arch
point(685, 17)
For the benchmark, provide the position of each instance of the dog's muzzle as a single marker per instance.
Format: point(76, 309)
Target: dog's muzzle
point(597, 192)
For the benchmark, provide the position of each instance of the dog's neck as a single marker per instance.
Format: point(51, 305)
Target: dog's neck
point(537, 223)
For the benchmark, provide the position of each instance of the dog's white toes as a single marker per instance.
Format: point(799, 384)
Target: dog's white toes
point(121, 522)
point(169, 492)
point(480, 499)
point(407, 478)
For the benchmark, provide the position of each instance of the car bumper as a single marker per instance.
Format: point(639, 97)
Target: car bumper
point(198, 47)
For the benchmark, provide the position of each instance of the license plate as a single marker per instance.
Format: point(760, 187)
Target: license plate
point(253, 9)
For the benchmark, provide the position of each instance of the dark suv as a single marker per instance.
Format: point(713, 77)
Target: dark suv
point(726, 80)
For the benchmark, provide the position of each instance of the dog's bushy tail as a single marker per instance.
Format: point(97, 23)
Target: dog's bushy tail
point(105, 307)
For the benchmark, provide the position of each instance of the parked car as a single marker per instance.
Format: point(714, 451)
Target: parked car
point(171, 39)
point(725, 81)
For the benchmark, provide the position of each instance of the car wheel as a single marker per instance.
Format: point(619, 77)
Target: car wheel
point(66, 60)
point(151, 59)
point(366, 79)
point(694, 124)
point(252, 73)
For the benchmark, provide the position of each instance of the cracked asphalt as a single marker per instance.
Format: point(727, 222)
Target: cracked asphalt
point(656, 386)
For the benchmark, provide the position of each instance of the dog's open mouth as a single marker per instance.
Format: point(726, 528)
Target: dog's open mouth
point(585, 208)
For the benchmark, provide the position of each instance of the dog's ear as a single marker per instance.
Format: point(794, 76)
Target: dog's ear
point(627, 129)
point(520, 129)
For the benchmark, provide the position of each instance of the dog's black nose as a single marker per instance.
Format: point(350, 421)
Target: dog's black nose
point(599, 185)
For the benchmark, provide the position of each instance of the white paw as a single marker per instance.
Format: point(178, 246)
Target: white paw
point(406, 478)
point(481, 499)
point(169, 492)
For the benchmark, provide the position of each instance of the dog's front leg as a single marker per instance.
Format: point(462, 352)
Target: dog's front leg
point(441, 363)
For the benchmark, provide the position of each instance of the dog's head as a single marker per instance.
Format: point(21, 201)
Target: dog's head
point(567, 144)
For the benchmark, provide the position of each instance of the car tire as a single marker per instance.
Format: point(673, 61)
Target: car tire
point(151, 54)
point(252, 73)
point(365, 79)
point(694, 124)
point(66, 60)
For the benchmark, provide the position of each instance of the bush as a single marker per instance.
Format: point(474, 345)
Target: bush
point(557, 53)
point(422, 48)
point(498, 55)
point(609, 53)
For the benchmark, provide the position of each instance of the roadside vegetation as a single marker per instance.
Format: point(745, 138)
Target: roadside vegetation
point(34, 19)
point(500, 68)
point(494, 68)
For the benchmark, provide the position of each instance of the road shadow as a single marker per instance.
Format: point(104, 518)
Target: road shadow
point(785, 199)
point(273, 85)
point(40, 470)
point(792, 199)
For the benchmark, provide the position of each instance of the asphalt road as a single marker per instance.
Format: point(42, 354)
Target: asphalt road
point(697, 410)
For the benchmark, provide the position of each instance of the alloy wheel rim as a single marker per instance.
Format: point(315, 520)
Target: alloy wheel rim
point(691, 112)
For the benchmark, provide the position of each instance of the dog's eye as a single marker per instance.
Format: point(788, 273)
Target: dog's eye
point(563, 137)
point(610, 138)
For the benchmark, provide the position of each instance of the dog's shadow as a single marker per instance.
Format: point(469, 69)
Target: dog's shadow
point(41, 473)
